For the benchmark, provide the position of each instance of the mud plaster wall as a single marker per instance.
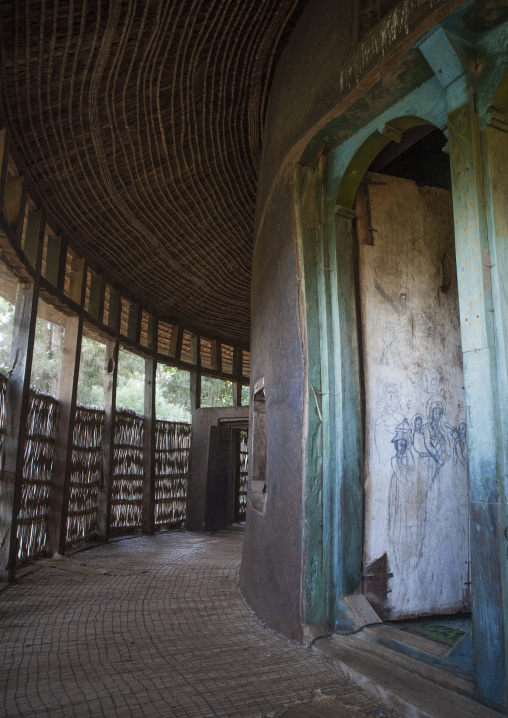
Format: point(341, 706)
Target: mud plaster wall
point(271, 565)
point(416, 496)
point(317, 70)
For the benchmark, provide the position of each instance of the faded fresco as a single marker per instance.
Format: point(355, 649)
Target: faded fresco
point(416, 453)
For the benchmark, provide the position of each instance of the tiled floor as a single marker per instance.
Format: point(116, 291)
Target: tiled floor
point(169, 635)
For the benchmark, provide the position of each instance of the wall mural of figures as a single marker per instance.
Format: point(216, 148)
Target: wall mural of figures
point(416, 492)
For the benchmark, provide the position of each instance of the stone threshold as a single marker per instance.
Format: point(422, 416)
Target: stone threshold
point(410, 673)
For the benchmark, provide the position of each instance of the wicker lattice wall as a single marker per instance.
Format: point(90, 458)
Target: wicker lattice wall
point(172, 472)
point(86, 470)
point(244, 470)
point(172, 451)
point(37, 471)
point(127, 494)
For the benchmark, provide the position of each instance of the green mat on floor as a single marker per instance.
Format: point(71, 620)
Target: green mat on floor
point(431, 629)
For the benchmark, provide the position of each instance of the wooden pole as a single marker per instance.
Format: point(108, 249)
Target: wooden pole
point(108, 441)
point(195, 391)
point(237, 393)
point(148, 515)
point(474, 276)
point(16, 411)
point(67, 393)
point(237, 372)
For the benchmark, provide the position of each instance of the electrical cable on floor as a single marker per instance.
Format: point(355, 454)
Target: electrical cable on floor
point(346, 633)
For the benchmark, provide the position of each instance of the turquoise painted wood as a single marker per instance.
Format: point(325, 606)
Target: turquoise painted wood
point(495, 162)
point(313, 480)
point(334, 424)
point(348, 419)
point(479, 356)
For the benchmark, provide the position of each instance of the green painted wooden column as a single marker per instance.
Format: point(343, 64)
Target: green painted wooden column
point(347, 407)
point(495, 157)
point(333, 496)
point(317, 609)
point(481, 390)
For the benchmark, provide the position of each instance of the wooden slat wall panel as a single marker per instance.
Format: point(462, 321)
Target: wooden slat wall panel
point(37, 472)
point(244, 470)
point(85, 475)
point(172, 451)
point(127, 498)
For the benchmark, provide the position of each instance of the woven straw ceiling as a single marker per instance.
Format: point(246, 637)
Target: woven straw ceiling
point(141, 124)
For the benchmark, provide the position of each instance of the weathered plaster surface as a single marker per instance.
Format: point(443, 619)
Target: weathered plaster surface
point(271, 565)
point(416, 495)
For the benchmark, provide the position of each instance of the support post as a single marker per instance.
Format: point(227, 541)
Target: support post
point(67, 392)
point(195, 391)
point(237, 373)
point(108, 441)
point(16, 411)
point(237, 393)
point(482, 409)
point(347, 405)
point(148, 515)
point(495, 158)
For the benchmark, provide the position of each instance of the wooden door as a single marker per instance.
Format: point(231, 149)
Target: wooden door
point(416, 535)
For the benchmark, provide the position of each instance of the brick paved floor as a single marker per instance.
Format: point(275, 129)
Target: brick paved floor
point(173, 638)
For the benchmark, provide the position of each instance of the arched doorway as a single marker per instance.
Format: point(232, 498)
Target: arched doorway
point(415, 525)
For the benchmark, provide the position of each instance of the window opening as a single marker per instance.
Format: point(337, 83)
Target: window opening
point(216, 392)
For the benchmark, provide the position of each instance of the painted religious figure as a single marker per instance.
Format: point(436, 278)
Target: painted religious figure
point(416, 492)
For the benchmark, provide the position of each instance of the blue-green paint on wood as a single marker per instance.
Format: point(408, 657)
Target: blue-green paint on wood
point(479, 357)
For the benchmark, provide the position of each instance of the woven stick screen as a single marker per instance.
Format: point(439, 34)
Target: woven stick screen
point(244, 470)
point(172, 451)
point(37, 472)
point(127, 494)
point(85, 477)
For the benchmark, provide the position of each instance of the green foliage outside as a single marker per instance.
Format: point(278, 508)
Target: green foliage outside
point(91, 374)
point(6, 325)
point(47, 357)
point(172, 388)
point(172, 394)
point(216, 392)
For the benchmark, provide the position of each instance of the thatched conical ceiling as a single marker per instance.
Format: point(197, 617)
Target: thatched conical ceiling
point(141, 124)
